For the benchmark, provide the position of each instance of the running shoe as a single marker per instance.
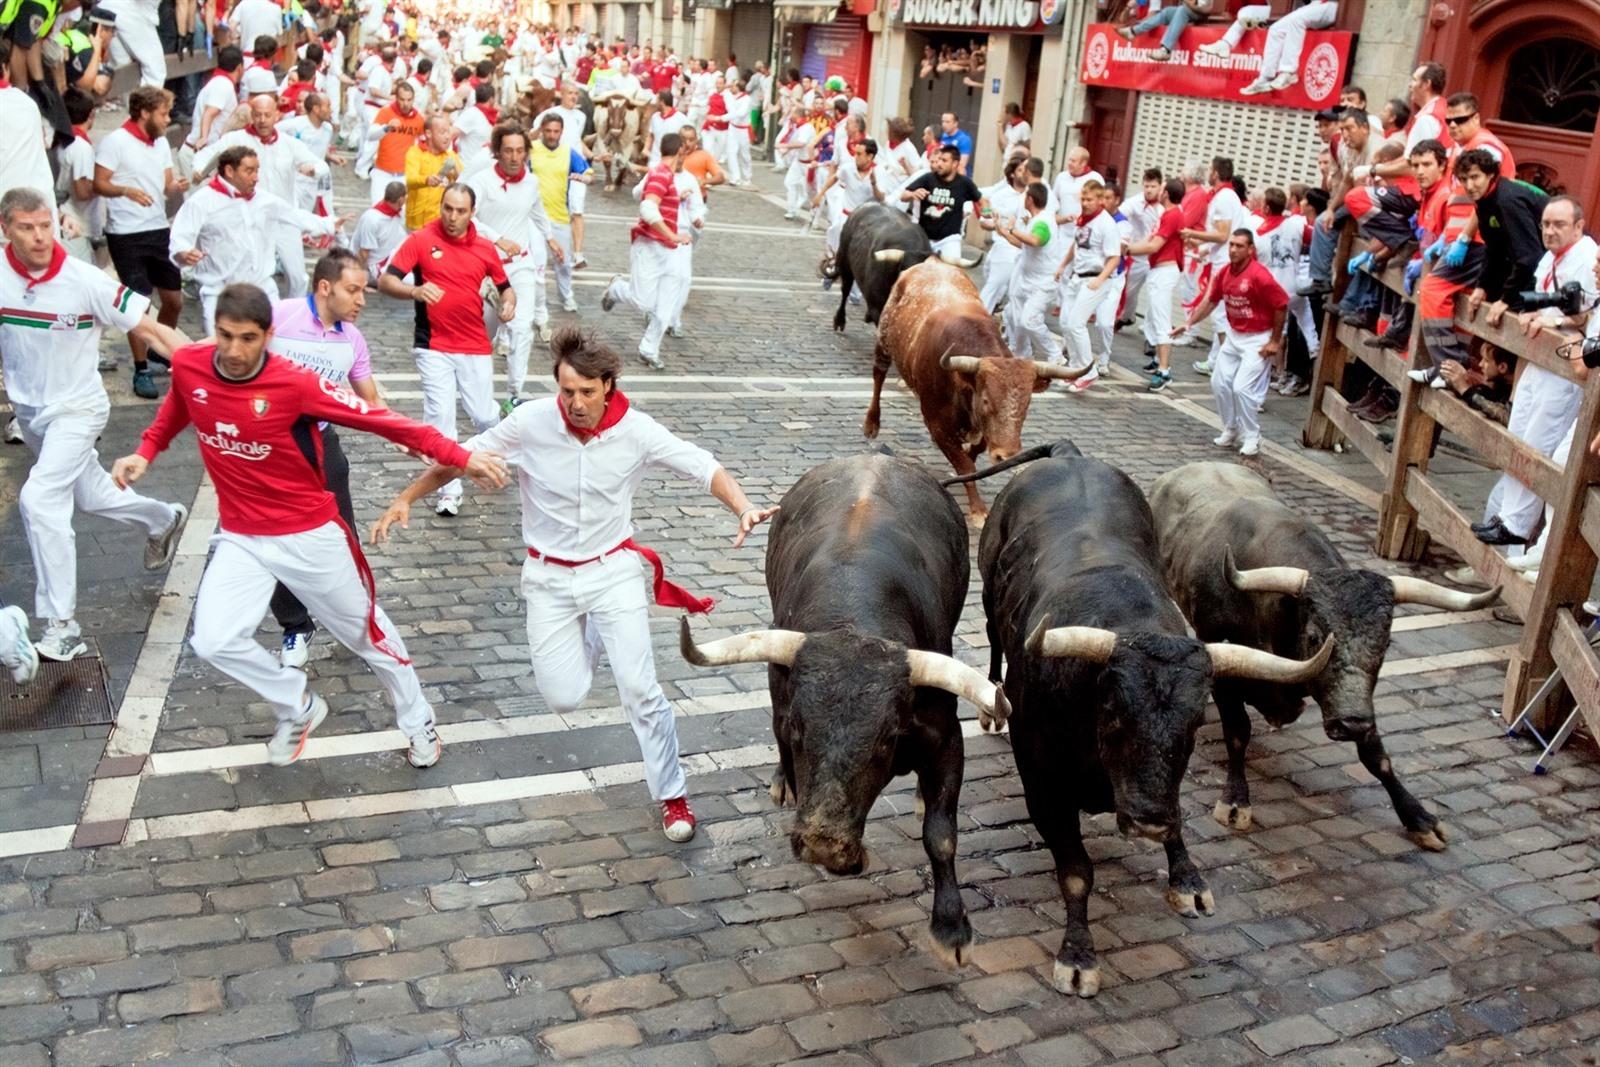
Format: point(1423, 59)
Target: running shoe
point(607, 301)
point(448, 506)
point(1159, 381)
point(1251, 446)
point(425, 750)
point(159, 549)
point(296, 650)
point(144, 384)
point(677, 821)
point(1216, 49)
point(16, 651)
point(1298, 387)
point(1082, 385)
point(1226, 439)
point(579, 261)
point(569, 304)
point(545, 332)
point(1202, 366)
point(289, 739)
point(1283, 81)
point(13, 432)
point(62, 640)
point(653, 362)
point(1255, 89)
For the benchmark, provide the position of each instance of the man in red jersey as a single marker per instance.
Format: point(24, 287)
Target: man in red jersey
point(255, 417)
point(657, 282)
point(442, 267)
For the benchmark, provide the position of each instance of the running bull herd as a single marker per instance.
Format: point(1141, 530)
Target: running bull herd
point(1112, 618)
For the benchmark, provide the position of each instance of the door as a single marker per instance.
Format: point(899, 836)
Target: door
point(1110, 134)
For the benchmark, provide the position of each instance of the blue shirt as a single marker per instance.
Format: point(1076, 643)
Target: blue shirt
point(963, 142)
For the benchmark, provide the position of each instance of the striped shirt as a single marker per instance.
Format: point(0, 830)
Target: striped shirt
point(660, 184)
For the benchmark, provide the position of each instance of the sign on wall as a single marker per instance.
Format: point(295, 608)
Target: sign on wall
point(1110, 61)
point(1000, 16)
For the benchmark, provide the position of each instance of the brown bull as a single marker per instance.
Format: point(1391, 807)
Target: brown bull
point(974, 393)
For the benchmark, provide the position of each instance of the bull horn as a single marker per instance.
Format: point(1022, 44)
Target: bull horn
point(1419, 591)
point(963, 364)
point(889, 255)
point(752, 646)
point(1242, 661)
point(1059, 370)
point(1290, 581)
point(1081, 642)
point(964, 264)
point(938, 671)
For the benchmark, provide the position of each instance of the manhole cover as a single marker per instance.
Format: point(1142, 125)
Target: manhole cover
point(61, 694)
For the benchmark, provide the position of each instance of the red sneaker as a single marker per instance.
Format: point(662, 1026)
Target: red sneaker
point(677, 821)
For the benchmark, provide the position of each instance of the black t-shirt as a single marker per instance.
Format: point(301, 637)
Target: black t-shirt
point(945, 209)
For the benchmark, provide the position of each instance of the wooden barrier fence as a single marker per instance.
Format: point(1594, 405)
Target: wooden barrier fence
point(1412, 508)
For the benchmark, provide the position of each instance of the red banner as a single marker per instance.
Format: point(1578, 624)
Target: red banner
point(1110, 61)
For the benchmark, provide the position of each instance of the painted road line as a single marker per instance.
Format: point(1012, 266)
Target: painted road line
point(1471, 657)
point(1432, 619)
point(44, 839)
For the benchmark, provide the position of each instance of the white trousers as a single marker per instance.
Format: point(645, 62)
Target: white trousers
point(712, 141)
point(1300, 311)
point(1239, 381)
point(574, 612)
point(1078, 304)
point(67, 476)
point(1105, 318)
point(292, 258)
point(1543, 411)
point(1286, 38)
point(736, 154)
point(1160, 289)
point(138, 41)
point(657, 284)
point(317, 567)
point(380, 180)
point(997, 274)
point(1559, 457)
point(1137, 273)
point(445, 376)
point(562, 232)
point(797, 191)
point(1025, 322)
point(526, 275)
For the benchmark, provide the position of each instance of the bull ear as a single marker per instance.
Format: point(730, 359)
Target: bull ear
point(1059, 371)
point(1242, 661)
point(961, 364)
point(1290, 581)
point(938, 671)
point(1418, 591)
point(1080, 642)
point(752, 646)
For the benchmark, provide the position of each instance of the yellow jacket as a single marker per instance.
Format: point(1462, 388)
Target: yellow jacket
point(422, 199)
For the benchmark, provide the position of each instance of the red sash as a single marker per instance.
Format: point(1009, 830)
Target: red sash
point(667, 594)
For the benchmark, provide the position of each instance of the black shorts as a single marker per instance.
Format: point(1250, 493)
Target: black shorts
point(31, 25)
point(142, 262)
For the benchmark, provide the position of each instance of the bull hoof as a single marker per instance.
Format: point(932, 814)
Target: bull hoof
point(1433, 838)
point(953, 956)
point(978, 519)
point(1233, 816)
point(1191, 903)
point(869, 429)
point(1071, 979)
point(779, 790)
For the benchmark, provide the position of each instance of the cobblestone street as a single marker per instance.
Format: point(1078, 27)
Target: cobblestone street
point(518, 903)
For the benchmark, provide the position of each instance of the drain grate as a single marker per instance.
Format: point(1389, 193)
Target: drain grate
point(62, 694)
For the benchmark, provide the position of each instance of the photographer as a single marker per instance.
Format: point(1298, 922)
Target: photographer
point(1508, 214)
point(1544, 406)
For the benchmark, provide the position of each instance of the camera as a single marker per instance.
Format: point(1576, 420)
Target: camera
point(1568, 299)
point(1590, 351)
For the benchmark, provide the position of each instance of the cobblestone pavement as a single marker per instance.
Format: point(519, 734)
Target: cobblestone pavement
point(518, 903)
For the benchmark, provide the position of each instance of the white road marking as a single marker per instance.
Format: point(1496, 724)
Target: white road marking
point(1471, 657)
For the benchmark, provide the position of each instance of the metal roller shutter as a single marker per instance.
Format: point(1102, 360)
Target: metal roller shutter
point(1268, 145)
point(750, 37)
point(630, 22)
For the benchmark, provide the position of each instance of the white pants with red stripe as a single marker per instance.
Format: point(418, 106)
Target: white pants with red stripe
point(446, 376)
point(1239, 380)
point(574, 613)
point(67, 477)
point(317, 567)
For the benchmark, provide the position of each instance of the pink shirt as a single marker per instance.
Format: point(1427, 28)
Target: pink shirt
point(338, 354)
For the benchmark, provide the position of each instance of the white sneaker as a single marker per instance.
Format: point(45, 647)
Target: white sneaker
point(1283, 81)
point(1438, 382)
point(1251, 447)
point(158, 550)
point(16, 651)
point(13, 432)
point(1202, 366)
point(448, 506)
point(425, 750)
point(579, 262)
point(1226, 439)
point(544, 331)
point(289, 739)
point(296, 650)
point(1421, 374)
point(1083, 384)
point(1219, 49)
point(1465, 576)
point(1528, 561)
point(62, 641)
point(1255, 89)
point(569, 304)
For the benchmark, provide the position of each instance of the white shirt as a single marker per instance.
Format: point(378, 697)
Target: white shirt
point(1068, 192)
point(1006, 203)
point(318, 141)
point(797, 140)
point(53, 366)
point(256, 80)
point(574, 124)
point(1036, 267)
point(1224, 207)
point(738, 109)
point(902, 162)
point(236, 235)
point(1098, 240)
point(380, 84)
point(218, 92)
point(280, 160)
point(24, 162)
point(378, 235)
point(577, 499)
point(256, 18)
point(77, 161)
point(1143, 217)
point(547, 68)
point(137, 165)
point(701, 86)
point(858, 188)
point(513, 210)
point(692, 206)
point(472, 135)
point(1015, 135)
point(1279, 250)
point(1576, 265)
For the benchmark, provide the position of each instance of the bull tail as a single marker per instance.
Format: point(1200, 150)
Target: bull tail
point(1062, 449)
point(828, 268)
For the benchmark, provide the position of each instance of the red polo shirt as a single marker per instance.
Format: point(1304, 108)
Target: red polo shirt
point(1249, 296)
point(458, 266)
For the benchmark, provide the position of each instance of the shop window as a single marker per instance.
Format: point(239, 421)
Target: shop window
point(1554, 82)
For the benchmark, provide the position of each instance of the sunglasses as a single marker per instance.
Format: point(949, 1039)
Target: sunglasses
point(1456, 120)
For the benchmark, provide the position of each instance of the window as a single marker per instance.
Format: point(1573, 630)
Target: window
point(1554, 82)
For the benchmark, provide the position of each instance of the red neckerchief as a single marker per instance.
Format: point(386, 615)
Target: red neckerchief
point(474, 81)
point(1016, 122)
point(506, 180)
point(264, 140)
point(58, 257)
point(224, 75)
point(1271, 222)
point(81, 133)
point(490, 112)
point(382, 207)
point(893, 144)
point(669, 112)
point(1550, 282)
point(4, 84)
point(138, 131)
point(616, 407)
point(261, 64)
point(227, 190)
point(1084, 220)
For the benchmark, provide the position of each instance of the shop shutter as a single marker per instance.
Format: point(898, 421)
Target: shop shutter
point(1268, 145)
point(750, 37)
point(630, 22)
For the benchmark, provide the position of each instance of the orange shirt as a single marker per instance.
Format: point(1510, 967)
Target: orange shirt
point(703, 166)
point(392, 146)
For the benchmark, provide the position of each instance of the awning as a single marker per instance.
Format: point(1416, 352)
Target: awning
point(804, 11)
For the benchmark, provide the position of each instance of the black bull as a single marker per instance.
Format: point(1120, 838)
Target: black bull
point(867, 568)
point(877, 243)
point(1106, 686)
point(1247, 568)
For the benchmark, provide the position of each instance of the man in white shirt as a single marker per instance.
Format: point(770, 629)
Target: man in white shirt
point(75, 188)
point(251, 19)
point(1224, 214)
point(133, 176)
point(1069, 184)
point(472, 129)
point(54, 310)
point(224, 231)
point(137, 39)
point(314, 129)
point(1015, 131)
point(380, 230)
point(793, 142)
point(1033, 277)
point(1281, 240)
point(858, 178)
point(1143, 211)
point(213, 104)
point(1090, 261)
point(736, 144)
point(22, 131)
point(580, 457)
point(258, 76)
point(282, 158)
